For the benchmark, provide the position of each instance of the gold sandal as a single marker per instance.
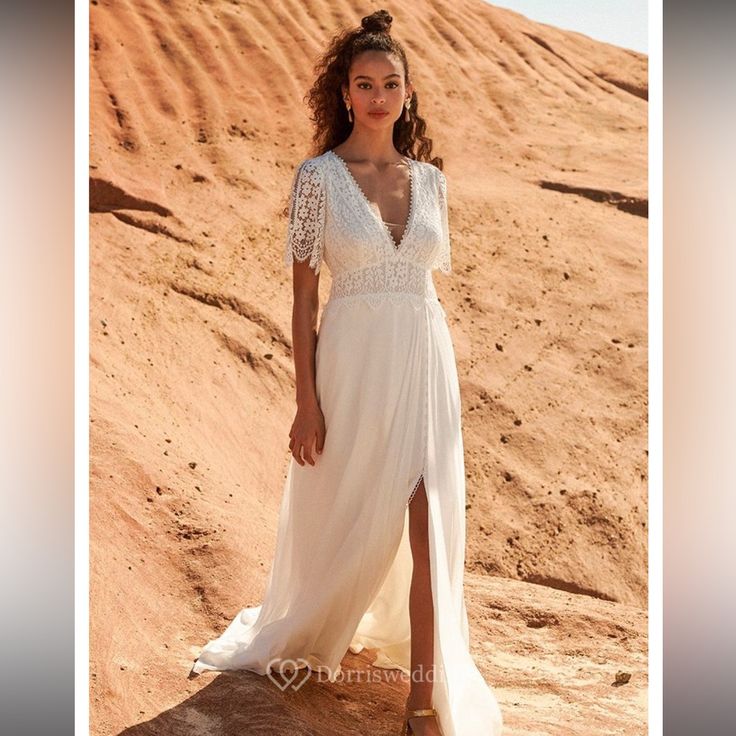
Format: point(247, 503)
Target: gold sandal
point(407, 730)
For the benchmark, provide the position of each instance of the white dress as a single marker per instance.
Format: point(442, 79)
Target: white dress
point(387, 385)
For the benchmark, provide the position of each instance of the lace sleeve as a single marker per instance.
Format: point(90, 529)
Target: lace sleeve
point(443, 260)
point(305, 230)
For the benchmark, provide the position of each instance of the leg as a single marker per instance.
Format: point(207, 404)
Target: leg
point(421, 614)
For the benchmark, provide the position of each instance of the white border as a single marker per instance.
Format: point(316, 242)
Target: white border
point(81, 374)
point(655, 378)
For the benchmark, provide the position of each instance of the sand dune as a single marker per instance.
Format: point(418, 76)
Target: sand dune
point(197, 122)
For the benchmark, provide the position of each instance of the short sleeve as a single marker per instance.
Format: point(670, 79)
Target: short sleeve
point(443, 260)
point(305, 229)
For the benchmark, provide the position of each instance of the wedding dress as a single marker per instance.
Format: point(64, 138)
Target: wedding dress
point(387, 385)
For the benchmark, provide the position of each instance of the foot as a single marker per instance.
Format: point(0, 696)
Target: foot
point(423, 725)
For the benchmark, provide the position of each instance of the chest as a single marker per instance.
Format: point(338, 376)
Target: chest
point(356, 234)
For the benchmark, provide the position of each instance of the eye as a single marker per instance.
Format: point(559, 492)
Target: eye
point(368, 84)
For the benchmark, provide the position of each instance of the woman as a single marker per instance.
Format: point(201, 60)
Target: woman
point(376, 441)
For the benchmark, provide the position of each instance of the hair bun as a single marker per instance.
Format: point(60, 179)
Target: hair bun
point(378, 22)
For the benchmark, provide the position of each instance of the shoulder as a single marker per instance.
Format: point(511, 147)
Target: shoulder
point(431, 169)
point(434, 174)
point(314, 163)
point(313, 166)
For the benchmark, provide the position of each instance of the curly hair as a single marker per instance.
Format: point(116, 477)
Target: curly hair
point(329, 115)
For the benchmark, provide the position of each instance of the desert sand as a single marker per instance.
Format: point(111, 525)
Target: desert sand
point(198, 121)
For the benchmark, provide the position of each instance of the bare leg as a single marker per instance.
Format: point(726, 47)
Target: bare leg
point(421, 614)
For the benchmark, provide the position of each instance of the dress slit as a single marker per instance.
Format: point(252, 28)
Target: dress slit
point(415, 486)
point(425, 409)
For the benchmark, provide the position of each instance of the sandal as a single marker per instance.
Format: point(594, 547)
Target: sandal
point(407, 730)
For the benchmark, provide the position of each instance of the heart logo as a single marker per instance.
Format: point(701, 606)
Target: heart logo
point(288, 664)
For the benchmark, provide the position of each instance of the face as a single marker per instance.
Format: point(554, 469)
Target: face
point(377, 84)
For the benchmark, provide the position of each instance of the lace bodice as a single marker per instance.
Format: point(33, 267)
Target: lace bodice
point(331, 220)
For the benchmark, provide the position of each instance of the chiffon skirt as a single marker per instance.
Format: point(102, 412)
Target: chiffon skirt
point(387, 385)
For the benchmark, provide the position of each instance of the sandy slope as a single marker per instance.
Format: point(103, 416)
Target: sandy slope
point(197, 123)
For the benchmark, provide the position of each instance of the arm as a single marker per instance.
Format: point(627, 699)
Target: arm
point(304, 251)
point(443, 261)
point(304, 332)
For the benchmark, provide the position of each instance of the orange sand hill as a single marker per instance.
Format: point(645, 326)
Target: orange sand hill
point(197, 123)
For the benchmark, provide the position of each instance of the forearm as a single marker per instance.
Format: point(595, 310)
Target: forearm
point(304, 341)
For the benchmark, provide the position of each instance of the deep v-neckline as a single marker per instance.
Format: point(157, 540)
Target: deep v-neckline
point(396, 247)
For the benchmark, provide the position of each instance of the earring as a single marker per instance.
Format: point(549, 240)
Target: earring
point(407, 104)
point(350, 114)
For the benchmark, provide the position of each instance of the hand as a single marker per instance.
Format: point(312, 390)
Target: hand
point(307, 433)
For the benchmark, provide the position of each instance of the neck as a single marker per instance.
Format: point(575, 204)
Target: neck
point(365, 144)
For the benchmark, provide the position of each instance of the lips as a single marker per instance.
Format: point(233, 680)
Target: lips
point(378, 113)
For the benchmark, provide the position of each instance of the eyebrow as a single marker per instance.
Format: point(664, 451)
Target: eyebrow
point(363, 76)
